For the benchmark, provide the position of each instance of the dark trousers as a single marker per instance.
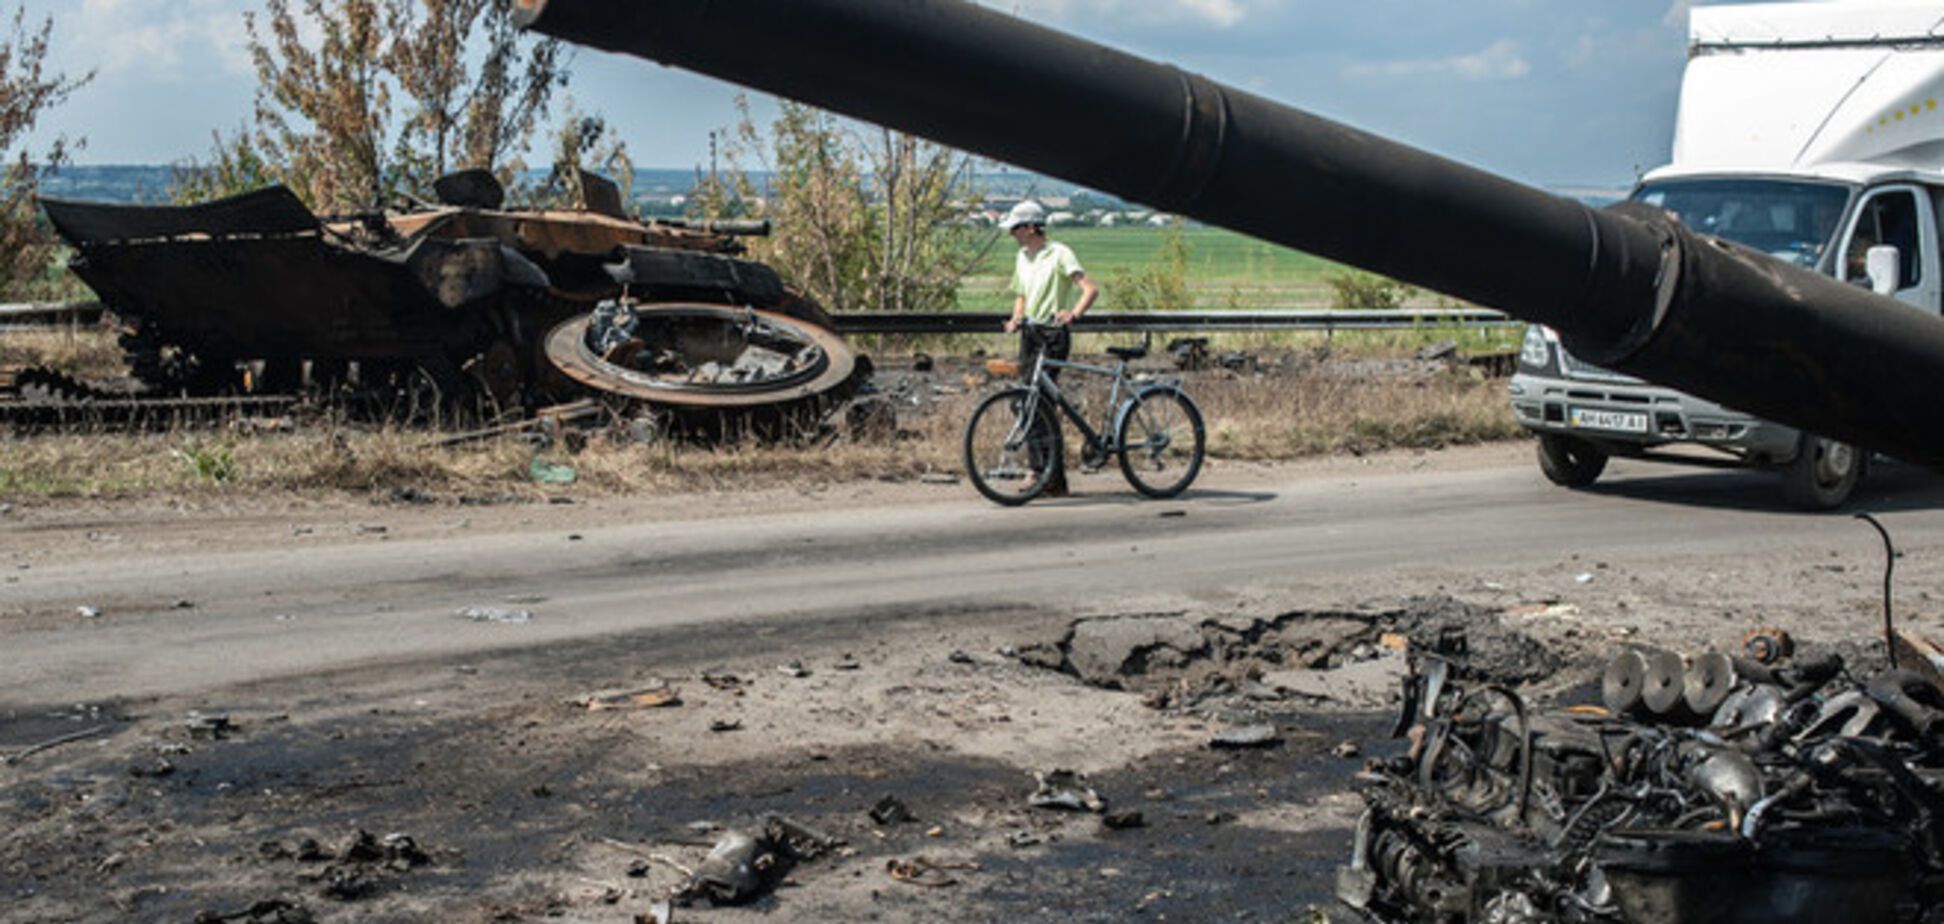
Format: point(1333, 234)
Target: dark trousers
point(1034, 339)
point(1056, 343)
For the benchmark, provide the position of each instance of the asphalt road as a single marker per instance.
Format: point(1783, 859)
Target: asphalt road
point(293, 605)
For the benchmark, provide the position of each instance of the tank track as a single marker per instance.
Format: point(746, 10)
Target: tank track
point(37, 398)
point(42, 386)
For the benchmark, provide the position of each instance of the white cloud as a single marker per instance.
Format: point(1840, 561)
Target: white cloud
point(1221, 14)
point(1500, 60)
point(156, 40)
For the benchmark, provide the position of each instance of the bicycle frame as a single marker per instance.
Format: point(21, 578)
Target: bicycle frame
point(1042, 385)
point(1148, 422)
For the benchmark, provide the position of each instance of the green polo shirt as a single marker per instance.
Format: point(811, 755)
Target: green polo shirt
point(1045, 280)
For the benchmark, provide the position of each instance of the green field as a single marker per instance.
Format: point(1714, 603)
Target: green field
point(1225, 269)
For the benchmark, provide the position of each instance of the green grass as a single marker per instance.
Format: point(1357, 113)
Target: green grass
point(1226, 270)
point(1215, 254)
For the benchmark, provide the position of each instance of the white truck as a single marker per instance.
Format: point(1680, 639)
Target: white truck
point(1813, 132)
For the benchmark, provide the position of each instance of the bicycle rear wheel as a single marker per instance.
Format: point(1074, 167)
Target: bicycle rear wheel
point(1011, 449)
point(1159, 432)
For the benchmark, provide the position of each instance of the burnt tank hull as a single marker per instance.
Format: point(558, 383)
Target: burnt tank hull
point(1628, 288)
point(462, 293)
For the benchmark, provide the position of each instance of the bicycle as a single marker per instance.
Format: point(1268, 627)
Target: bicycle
point(1012, 447)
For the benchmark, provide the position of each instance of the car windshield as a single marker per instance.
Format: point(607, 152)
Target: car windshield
point(1786, 219)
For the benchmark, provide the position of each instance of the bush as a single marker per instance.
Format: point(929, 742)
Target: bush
point(207, 462)
point(1356, 289)
point(1162, 285)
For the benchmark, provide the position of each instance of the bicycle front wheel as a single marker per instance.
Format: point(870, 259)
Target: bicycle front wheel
point(1161, 440)
point(1011, 449)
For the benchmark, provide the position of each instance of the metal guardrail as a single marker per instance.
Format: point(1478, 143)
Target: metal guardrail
point(992, 322)
point(28, 315)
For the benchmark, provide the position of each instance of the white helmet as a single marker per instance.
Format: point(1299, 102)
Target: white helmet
point(1027, 212)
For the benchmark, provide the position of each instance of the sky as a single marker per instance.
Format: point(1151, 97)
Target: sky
point(1552, 92)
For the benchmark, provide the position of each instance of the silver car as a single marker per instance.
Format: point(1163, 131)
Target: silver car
point(1584, 414)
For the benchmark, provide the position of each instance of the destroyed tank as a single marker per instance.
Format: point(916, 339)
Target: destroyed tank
point(1627, 288)
point(459, 298)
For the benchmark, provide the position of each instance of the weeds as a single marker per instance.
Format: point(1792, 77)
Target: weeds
point(1161, 284)
point(1293, 409)
point(1317, 414)
point(207, 462)
point(1356, 289)
point(83, 352)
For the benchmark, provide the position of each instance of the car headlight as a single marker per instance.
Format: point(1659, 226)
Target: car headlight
point(1535, 352)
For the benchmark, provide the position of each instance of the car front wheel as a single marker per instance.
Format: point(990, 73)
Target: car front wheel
point(1570, 461)
point(1823, 475)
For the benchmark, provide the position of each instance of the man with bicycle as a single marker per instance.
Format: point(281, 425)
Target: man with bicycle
point(1050, 292)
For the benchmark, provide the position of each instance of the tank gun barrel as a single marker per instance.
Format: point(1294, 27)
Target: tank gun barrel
point(726, 227)
point(1628, 287)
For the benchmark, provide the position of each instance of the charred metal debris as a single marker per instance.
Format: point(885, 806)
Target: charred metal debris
point(459, 306)
point(1768, 785)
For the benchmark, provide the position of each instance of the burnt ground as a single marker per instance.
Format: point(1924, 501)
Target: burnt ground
point(503, 828)
point(527, 806)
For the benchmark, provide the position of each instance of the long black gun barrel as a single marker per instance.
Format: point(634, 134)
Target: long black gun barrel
point(1627, 287)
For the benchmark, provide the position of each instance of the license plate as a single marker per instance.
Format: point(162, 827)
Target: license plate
point(1622, 421)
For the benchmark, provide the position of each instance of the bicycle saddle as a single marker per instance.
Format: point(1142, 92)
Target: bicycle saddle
point(1129, 353)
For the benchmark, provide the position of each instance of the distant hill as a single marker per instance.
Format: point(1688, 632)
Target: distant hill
point(654, 187)
point(133, 183)
point(110, 183)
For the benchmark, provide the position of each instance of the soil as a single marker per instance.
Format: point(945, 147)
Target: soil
point(521, 803)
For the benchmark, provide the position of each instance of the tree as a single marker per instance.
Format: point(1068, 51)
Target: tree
point(361, 100)
point(582, 141)
point(924, 244)
point(817, 203)
point(323, 112)
point(235, 166)
point(461, 116)
point(27, 91)
point(857, 224)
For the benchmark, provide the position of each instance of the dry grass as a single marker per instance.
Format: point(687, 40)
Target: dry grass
point(1273, 416)
point(1471, 339)
point(1316, 414)
point(83, 352)
point(119, 465)
point(358, 461)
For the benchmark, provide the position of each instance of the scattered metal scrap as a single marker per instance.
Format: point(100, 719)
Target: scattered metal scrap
point(742, 866)
point(547, 421)
point(52, 743)
point(1714, 788)
point(360, 868)
point(653, 696)
point(891, 810)
point(920, 871)
point(214, 726)
point(1065, 789)
point(271, 911)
